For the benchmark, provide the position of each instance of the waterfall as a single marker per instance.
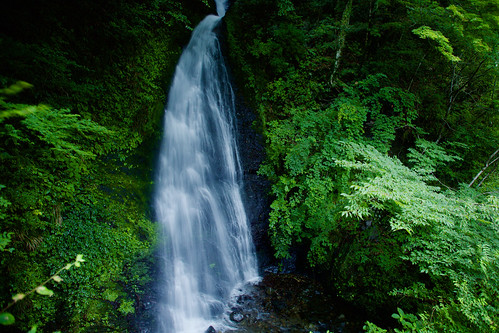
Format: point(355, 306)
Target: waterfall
point(207, 246)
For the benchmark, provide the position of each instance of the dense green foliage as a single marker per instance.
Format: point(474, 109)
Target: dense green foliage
point(75, 158)
point(380, 119)
point(377, 117)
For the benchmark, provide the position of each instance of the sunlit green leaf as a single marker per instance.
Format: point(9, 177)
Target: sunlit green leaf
point(42, 290)
point(6, 318)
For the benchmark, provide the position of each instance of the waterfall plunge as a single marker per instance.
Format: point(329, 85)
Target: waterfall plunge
point(208, 250)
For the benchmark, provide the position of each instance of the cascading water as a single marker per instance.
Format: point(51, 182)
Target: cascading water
point(208, 250)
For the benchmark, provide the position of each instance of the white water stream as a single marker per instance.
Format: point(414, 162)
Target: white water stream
point(208, 250)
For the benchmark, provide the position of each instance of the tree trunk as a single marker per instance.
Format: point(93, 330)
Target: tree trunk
point(345, 22)
point(492, 159)
point(453, 93)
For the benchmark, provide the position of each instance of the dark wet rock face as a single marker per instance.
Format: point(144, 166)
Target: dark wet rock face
point(250, 145)
point(256, 187)
point(144, 318)
point(291, 303)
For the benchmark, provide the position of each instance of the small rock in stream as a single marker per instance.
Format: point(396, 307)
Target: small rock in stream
point(210, 330)
point(236, 316)
point(243, 298)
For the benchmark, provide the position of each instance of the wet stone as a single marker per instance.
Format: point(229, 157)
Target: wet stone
point(243, 298)
point(236, 316)
point(289, 303)
point(210, 330)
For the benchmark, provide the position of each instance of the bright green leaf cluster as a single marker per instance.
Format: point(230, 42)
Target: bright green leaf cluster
point(443, 47)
